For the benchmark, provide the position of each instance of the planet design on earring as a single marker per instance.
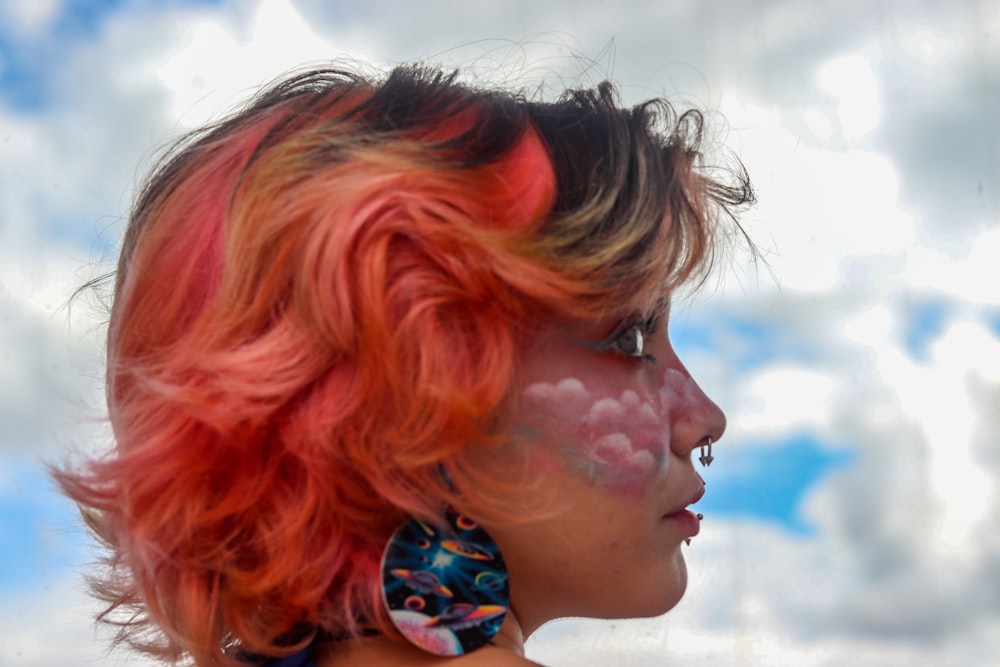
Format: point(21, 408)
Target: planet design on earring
point(447, 591)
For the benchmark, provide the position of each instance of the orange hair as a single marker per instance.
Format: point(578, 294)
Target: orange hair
point(319, 312)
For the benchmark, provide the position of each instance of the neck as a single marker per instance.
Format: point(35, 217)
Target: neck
point(510, 637)
point(379, 649)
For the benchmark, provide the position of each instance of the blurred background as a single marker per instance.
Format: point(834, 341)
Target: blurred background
point(852, 512)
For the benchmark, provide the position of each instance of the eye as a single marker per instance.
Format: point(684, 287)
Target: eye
point(631, 342)
point(628, 340)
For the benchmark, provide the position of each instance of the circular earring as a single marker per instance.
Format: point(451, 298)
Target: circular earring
point(446, 591)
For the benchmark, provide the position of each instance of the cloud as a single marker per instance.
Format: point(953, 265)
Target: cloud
point(54, 626)
point(29, 17)
point(903, 528)
point(779, 400)
point(902, 538)
point(49, 368)
point(828, 218)
point(217, 59)
point(757, 596)
point(958, 268)
point(851, 81)
point(879, 215)
point(774, 481)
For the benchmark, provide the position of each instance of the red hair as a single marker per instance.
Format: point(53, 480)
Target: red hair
point(319, 313)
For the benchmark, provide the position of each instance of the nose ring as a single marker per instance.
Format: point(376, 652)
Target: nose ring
point(706, 458)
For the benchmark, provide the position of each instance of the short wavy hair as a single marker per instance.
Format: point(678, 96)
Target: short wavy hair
point(319, 312)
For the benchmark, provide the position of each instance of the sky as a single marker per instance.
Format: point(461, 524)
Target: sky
point(852, 510)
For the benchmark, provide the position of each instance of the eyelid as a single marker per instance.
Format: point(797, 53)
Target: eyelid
point(647, 327)
point(648, 324)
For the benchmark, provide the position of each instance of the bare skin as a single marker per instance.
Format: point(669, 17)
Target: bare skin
point(612, 428)
point(507, 651)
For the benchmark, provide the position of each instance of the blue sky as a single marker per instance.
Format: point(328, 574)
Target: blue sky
point(30, 61)
point(768, 482)
point(40, 536)
point(859, 367)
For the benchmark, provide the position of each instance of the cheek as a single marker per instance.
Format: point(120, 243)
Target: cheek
point(619, 439)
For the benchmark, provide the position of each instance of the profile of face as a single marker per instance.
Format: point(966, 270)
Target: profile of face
point(608, 416)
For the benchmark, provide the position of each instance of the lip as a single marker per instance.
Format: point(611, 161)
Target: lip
point(695, 496)
point(685, 519)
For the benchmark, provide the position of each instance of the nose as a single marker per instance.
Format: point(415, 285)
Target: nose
point(694, 417)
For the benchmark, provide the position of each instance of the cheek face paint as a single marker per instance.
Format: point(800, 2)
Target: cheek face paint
point(680, 394)
point(622, 440)
point(618, 441)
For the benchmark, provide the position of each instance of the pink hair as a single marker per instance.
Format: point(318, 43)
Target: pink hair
point(319, 315)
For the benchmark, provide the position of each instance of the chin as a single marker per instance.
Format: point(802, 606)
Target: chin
point(656, 600)
point(668, 602)
point(674, 586)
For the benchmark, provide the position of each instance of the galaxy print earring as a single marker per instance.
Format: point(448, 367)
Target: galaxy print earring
point(446, 591)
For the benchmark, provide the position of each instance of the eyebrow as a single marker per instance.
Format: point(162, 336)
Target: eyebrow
point(660, 311)
point(663, 305)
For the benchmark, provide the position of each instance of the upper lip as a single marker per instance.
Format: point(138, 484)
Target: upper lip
point(694, 497)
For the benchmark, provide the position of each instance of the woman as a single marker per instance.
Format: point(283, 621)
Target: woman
point(389, 375)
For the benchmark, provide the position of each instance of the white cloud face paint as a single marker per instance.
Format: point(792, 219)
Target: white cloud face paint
point(620, 441)
point(618, 437)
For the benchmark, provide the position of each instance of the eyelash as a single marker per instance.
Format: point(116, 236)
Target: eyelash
point(634, 335)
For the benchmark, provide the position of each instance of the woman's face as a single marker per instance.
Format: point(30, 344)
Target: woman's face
point(608, 418)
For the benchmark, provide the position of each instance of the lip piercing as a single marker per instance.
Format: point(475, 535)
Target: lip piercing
point(687, 540)
point(706, 458)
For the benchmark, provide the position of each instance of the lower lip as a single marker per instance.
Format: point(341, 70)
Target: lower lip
point(686, 521)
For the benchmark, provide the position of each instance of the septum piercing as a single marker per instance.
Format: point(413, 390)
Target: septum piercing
point(706, 458)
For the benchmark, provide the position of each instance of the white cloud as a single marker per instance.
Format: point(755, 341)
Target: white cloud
point(938, 396)
point(819, 123)
point(905, 536)
point(213, 65)
point(965, 269)
point(29, 17)
point(826, 218)
point(928, 43)
point(54, 626)
point(49, 353)
point(759, 598)
point(779, 400)
point(851, 81)
point(871, 327)
point(905, 544)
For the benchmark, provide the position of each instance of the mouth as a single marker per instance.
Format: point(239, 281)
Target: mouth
point(695, 496)
point(686, 520)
